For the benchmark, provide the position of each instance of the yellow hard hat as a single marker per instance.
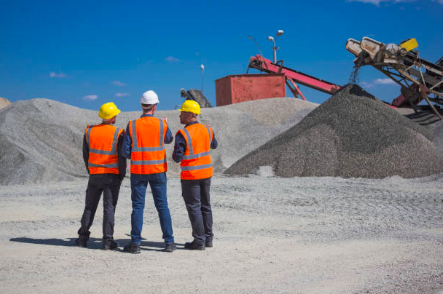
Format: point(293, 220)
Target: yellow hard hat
point(190, 106)
point(108, 110)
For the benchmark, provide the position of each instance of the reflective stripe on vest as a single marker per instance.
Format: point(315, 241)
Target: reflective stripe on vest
point(196, 165)
point(113, 165)
point(103, 161)
point(152, 159)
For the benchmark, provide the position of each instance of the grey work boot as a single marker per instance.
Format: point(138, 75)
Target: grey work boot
point(132, 248)
point(109, 244)
point(82, 241)
point(194, 245)
point(170, 247)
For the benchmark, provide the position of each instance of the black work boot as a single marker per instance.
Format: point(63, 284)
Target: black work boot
point(208, 243)
point(82, 241)
point(109, 244)
point(194, 245)
point(170, 247)
point(132, 248)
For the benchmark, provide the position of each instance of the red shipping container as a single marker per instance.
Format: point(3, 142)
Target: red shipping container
point(240, 88)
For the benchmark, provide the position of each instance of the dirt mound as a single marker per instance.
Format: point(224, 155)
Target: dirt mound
point(41, 140)
point(352, 134)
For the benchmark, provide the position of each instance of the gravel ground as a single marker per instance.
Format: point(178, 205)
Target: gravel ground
point(272, 235)
point(352, 134)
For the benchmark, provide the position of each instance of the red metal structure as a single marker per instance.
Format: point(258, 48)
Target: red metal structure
point(241, 88)
point(292, 76)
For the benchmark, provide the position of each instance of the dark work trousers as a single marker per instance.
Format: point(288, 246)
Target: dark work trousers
point(198, 203)
point(109, 184)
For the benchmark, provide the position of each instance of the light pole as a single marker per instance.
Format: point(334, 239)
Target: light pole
point(202, 67)
point(275, 48)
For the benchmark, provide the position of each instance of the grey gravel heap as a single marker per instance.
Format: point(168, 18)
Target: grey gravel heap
point(352, 134)
point(41, 139)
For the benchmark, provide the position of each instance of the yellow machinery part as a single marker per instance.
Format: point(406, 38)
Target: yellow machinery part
point(409, 45)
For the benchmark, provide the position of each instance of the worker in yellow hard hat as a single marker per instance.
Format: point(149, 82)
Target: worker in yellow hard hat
point(102, 144)
point(192, 149)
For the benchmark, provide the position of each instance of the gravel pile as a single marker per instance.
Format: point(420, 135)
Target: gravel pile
point(41, 140)
point(352, 134)
point(4, 102)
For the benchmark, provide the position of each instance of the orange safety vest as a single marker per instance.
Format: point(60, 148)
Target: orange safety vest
point(196, 163)
point(148, 154)
point(103, 154)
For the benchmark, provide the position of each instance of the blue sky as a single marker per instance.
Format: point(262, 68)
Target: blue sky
point(86, 53)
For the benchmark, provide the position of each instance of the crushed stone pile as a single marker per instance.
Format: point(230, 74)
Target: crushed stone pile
point(352, 134)
point(430, 121)
point(41, 140)
point(4, 102)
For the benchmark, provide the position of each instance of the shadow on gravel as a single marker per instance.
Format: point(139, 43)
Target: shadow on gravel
point(53, 242)
point(93, 243)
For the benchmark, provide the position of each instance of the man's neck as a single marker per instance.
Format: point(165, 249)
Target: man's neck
point(191, 121)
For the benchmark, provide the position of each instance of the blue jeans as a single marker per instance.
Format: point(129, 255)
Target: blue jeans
point(158, 184)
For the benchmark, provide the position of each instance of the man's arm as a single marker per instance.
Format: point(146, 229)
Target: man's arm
point(168, 138)
point(127, 145)
point(121, 158)
point(214, 142)
point(179, 147)
point(85, 153)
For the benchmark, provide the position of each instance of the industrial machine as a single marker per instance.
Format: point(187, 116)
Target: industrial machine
point(419, 79)
point(292, 77)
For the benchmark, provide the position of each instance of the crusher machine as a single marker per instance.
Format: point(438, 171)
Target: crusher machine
point(419, 79)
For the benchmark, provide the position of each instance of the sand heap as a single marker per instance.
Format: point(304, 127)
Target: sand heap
point(4, 102)
point(352, 134)
point(41, 140)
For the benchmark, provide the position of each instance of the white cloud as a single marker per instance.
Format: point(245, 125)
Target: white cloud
point(118, 83)
point(377, 2)
point(366, 85)
point(386, 81)
point(172, 59)
point(376, 82)
point(90, 97)
point(53, 74)
point(121, 94)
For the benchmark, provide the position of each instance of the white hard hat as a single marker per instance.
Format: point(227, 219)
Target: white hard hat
point(149, 97)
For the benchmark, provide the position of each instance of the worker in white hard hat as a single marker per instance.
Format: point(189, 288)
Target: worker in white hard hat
point(144, 144)
point(102, 146)
point(192, 149)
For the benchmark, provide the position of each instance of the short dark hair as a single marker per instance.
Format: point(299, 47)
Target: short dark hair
point(148, 107)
